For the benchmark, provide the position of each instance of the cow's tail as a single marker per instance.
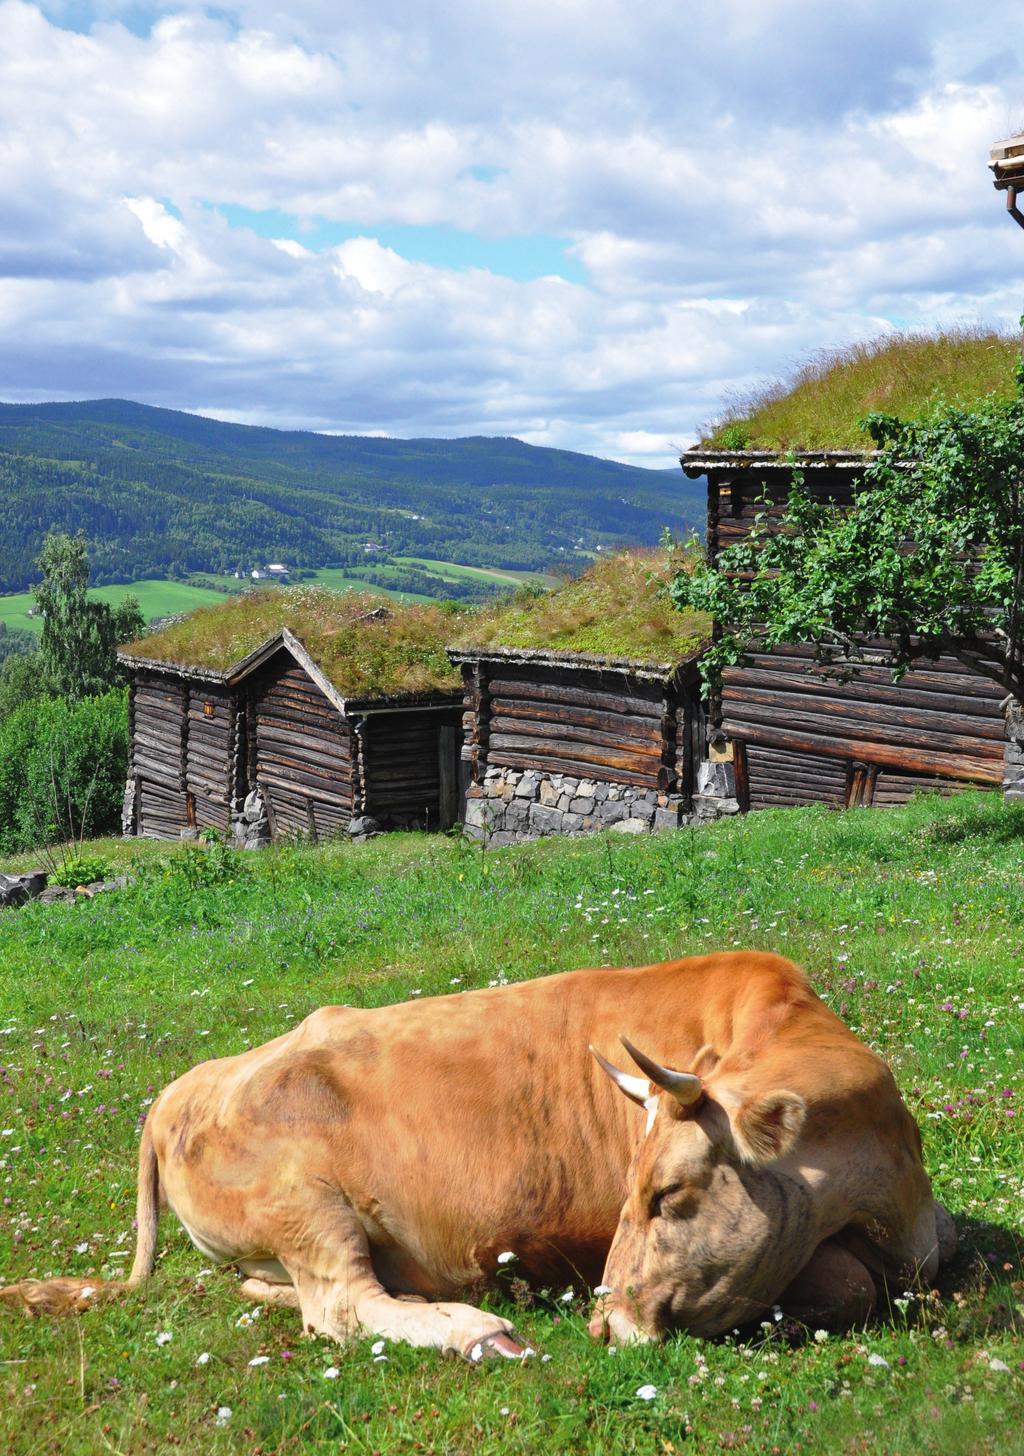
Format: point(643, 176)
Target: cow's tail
point(69, 1296)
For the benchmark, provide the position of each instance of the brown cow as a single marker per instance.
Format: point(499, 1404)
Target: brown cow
point(367, 1157)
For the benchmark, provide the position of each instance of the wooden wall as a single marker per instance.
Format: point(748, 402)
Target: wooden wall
point(589, 723)
point(409, 765)
point(299, 750)
point(803, 737)
point(182, 737)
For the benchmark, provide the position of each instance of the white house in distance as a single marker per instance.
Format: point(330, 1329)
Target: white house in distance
point(274, 571)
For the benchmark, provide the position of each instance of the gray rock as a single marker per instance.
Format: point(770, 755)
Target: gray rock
point(716, 780)
point(254, 809)
point(363, 826)
point(549, 795)
point(479, 813)
point(598, 792)
point(640, 809)
point(565, 801)
point(586, 789)
point(582, 806)
point(666, 819)
point(572, 823)
point(611, 812)
point(527, 786)
point(56, 894)
point(544, 820)
point(631, 826)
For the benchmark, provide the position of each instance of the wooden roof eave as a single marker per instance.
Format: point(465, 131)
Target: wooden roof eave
point(644, 668)
point(700, 461)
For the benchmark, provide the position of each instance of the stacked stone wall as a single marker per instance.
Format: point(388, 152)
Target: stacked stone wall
point(510, 805)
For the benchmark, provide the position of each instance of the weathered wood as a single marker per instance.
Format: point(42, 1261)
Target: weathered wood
point(625, 725)
point(290, 780)
point(509, 758)
point(958, 766)
point(581, 752)
point(556, 732)
point(858, 727)
point(574, 695)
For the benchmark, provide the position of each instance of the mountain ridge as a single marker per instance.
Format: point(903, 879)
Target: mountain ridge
point(162, 491)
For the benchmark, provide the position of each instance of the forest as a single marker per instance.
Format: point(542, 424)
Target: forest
point(162, 493)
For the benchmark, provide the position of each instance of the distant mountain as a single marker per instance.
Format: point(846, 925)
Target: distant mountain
point(159, 492)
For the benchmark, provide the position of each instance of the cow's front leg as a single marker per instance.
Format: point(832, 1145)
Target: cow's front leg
point(340, 1295)
point(833, 1291)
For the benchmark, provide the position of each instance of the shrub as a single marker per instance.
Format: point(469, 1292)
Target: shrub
point(62, 770)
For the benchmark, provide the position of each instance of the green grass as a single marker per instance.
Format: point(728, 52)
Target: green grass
point(490, 576)
point(617, 608)
point(911, 923)
point(821, 407)
point(333, 578)
point(156, 599)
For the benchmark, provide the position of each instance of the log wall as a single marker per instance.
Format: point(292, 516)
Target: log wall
point(588, 723)
point(409, 766)
point(301, 752)
point(804, 737)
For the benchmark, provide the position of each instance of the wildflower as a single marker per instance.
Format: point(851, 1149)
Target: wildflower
point(820, 1336)
point(332, 1372)
point(377, 1348)
point(506, 1257)
point(249, 1317)
point(567, 1297)
point(503, 1411)
point(999, 1365)
point(544, 1359)
point(223, 1415)
point(204, 1358)
point(164, 1337)
point(647, 1392)
point(259, 1360)
point(82, 1248)
point(602, 1289)
point(87, 1292)
point(874, 1359)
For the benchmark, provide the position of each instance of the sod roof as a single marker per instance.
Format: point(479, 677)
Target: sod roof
point(823, 405)
point(614, 611)
point(363, 651)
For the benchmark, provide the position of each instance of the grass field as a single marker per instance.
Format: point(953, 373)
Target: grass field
point(911, 923)
point(156, 599)
point(491, 576)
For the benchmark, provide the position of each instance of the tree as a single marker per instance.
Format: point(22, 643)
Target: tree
point(929, 557)
point(79, 637)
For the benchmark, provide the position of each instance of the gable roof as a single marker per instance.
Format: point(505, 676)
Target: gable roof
point(354, 649)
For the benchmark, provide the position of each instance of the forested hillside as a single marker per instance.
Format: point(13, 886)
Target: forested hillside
point(159, 493)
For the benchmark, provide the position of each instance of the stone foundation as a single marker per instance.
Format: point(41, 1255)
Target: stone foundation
point(512, 805)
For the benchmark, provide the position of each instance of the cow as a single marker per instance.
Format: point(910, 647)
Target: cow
point(369, 1166)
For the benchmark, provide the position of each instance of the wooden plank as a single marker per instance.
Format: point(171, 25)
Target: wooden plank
point(627, 725)
point(275, 780)
point(938, 696)
point(509, 758)
point(616, 702)
point(570, 733)
point(581, 752)
point(953, 765)
point(856, 727)
point(923, 723)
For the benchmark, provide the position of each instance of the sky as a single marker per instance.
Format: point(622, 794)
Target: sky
point(586, 223)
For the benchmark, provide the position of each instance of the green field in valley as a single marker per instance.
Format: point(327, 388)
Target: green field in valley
point(156, 598)
point(911, 923)
point(491, 576)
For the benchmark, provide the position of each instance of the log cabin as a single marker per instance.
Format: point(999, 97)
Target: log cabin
point(350, 713)
point(582, 706)
point(796, 735)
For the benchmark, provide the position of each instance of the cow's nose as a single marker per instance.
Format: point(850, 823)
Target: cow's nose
point(625, 1331)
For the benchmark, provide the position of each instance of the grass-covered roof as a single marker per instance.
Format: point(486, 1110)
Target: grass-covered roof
point(823, 405)
point(614, 610)
point(364, 651)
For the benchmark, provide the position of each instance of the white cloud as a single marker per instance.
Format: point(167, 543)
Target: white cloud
point(741, 183)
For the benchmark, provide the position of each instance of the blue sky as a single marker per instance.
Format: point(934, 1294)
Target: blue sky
point(582, 222)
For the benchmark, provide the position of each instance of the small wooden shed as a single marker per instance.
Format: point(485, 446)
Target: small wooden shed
point(299, 741)
point(794, 733)
point(562, 737)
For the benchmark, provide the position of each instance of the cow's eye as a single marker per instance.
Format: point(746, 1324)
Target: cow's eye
point(657, 1199)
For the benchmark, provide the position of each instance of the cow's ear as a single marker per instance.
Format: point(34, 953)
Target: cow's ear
point(765, 1128)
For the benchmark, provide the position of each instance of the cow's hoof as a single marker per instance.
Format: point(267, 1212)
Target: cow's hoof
point(498, 1346)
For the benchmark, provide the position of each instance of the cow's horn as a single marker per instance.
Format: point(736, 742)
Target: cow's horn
point(684, 1087)
point(637, 1089)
